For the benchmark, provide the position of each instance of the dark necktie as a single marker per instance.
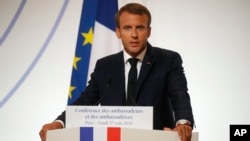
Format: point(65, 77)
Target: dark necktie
point(132, 78)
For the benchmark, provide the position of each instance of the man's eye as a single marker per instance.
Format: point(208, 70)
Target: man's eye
point(140, 28)
point(126, 28)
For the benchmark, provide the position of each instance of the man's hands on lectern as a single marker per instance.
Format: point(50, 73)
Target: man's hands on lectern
point(49, 126)
point(184, 131)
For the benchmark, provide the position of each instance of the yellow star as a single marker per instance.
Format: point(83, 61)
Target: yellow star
point(88, 37)
point(71, 88)
point(76, 59)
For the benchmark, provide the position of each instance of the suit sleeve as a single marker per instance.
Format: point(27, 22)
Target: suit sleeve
point(178, 90)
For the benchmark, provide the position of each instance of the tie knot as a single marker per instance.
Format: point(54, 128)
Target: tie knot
point(133, 61)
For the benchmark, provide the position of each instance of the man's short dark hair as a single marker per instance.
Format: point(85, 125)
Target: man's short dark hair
point(133, 8)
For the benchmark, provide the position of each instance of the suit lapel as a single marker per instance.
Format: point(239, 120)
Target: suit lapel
point(147, 64)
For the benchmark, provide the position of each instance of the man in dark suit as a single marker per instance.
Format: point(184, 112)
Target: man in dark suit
point(161, 81)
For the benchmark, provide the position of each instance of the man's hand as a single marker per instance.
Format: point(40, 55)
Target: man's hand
point(49, 126)
point(184, 131)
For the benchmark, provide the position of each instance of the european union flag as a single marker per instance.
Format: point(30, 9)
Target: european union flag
point(97, 17)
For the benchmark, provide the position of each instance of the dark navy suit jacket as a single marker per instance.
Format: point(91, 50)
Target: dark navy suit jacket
point(161, 84)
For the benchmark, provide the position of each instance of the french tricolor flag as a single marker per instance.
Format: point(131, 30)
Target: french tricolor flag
point(96, 39)
point(100, 134)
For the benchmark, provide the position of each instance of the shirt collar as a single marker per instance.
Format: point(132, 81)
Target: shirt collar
point(140, 56)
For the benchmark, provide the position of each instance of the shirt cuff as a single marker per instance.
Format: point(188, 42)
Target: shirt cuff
point(182, 121)
point(60, 122)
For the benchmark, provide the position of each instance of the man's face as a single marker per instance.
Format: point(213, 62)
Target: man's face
point(133, 32)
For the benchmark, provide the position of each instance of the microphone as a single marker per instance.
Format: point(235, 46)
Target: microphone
point(105, 91)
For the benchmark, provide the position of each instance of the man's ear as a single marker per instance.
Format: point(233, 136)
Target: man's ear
point(117, 32)
point(149, 31)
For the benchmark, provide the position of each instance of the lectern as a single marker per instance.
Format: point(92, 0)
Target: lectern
point(113, 134)
point(124, 123)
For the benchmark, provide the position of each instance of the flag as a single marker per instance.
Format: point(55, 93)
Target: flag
point(100, 134)
point(96, 39)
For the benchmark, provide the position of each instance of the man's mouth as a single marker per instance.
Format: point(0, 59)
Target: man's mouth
point(134, 44)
